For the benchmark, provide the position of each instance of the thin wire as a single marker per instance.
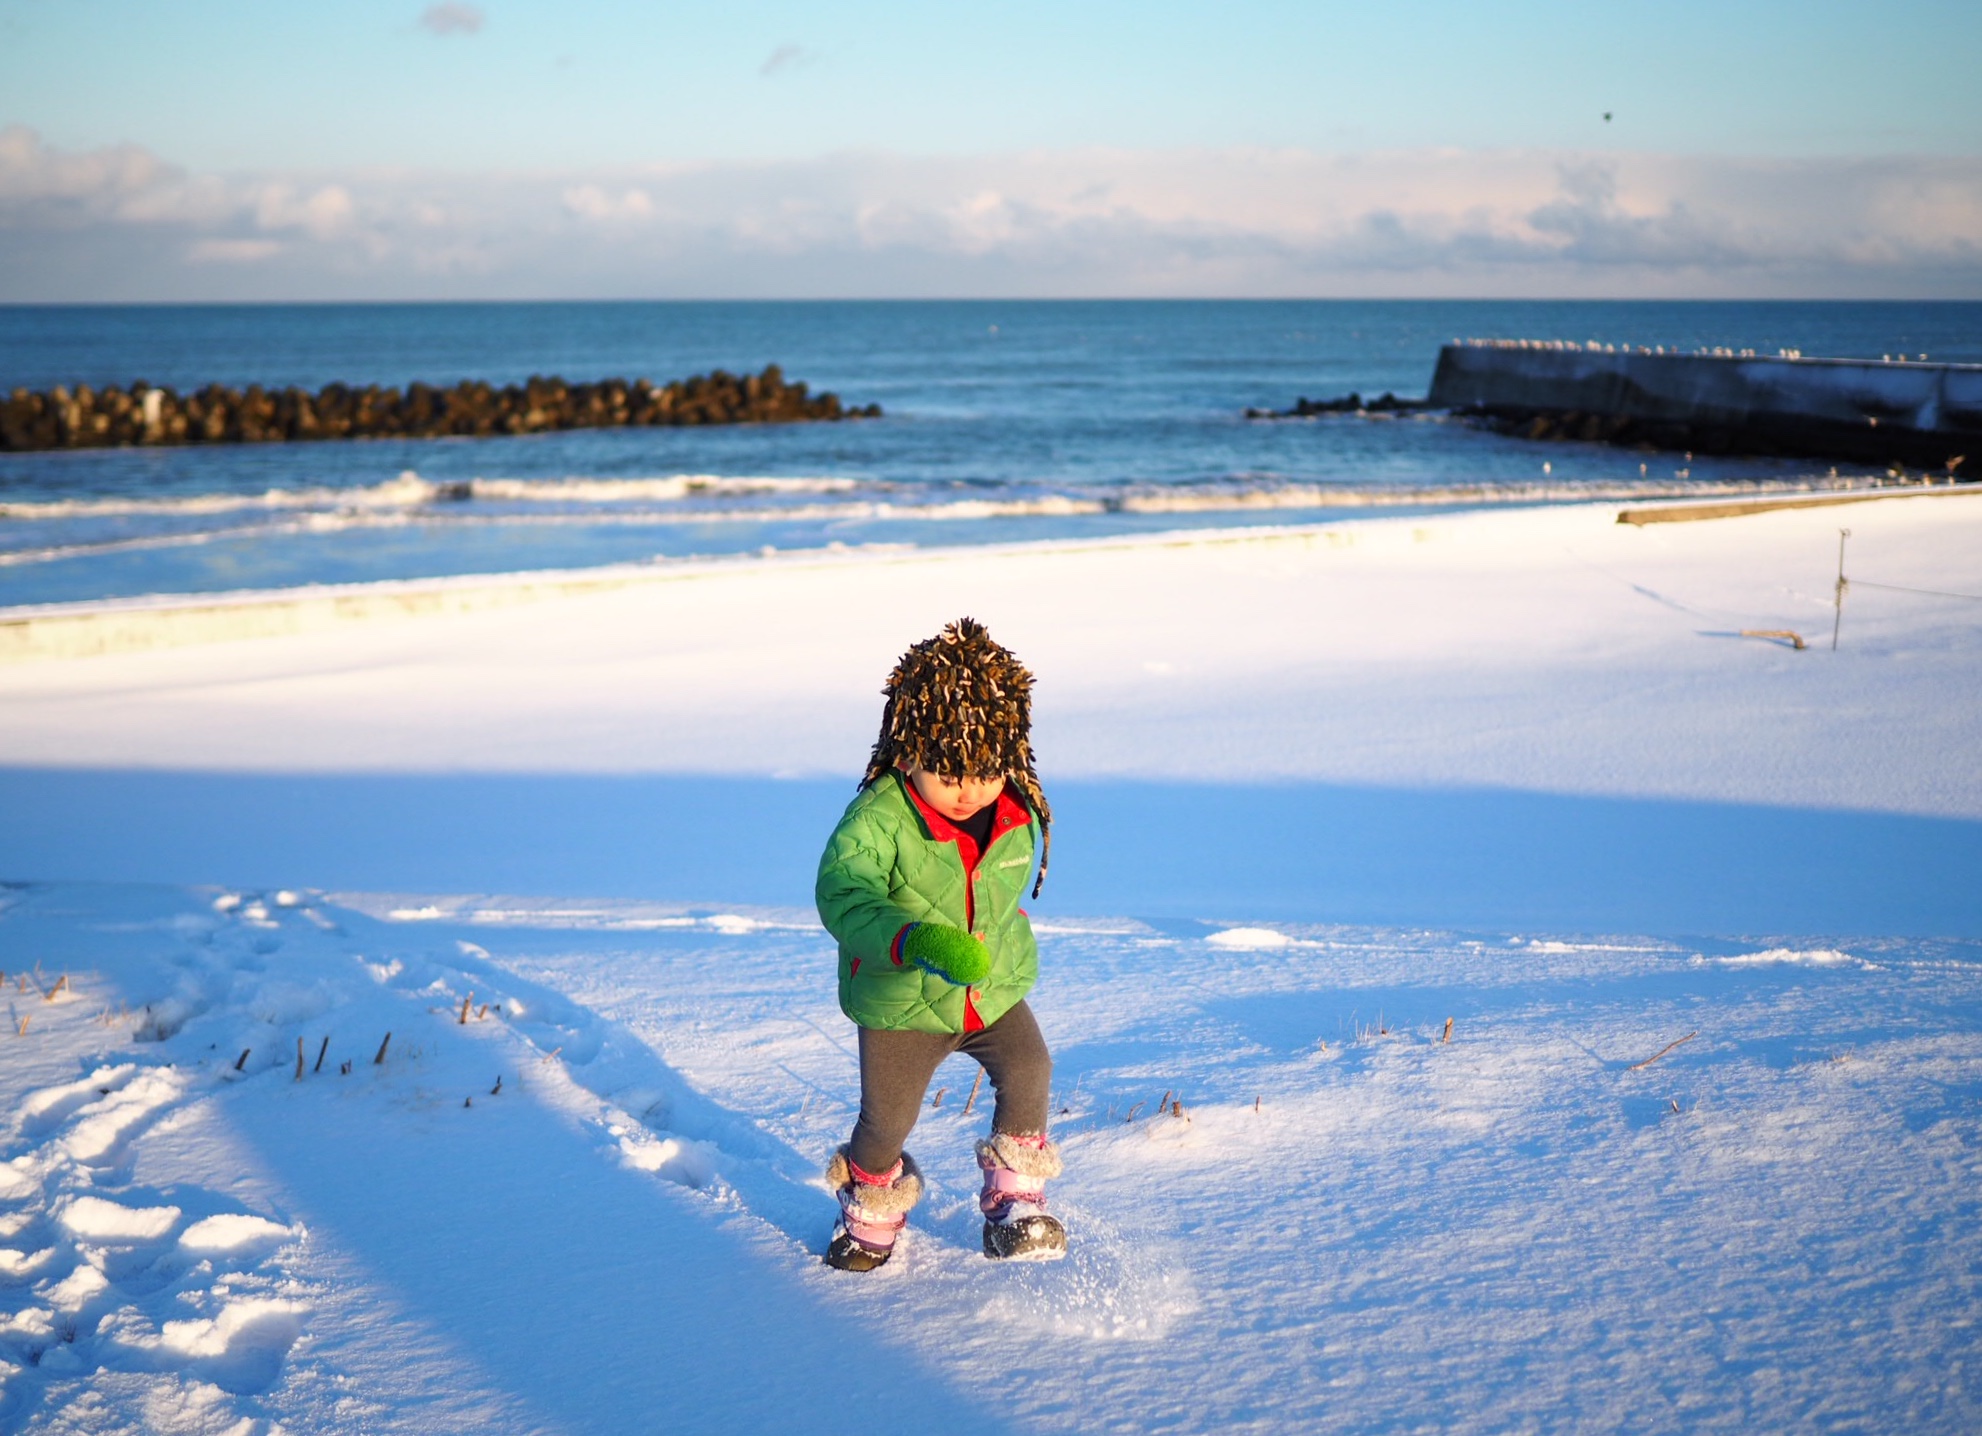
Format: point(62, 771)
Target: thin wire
point(1930, 592)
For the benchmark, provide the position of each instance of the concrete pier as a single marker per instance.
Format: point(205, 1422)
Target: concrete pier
point(1720, 401)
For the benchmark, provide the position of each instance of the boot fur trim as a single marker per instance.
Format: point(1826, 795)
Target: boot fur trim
point(892, 1200)
point(1005, 1150)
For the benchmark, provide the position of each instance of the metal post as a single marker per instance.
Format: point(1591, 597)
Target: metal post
point(1837, 602)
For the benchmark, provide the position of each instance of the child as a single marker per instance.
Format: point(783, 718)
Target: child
point(920, 883)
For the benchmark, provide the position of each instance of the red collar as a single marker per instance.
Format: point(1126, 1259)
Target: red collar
point(1011, 814)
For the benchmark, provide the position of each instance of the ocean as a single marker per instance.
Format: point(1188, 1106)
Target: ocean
point(1004, 421)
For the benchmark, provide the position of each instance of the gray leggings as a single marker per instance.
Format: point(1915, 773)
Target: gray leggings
point(895, 1068)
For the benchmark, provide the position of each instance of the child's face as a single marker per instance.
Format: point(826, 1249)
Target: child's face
point(955, 798)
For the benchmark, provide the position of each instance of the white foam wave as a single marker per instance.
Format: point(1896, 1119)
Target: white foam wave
point(409, 490)
point(310, 524)
point(619, 491)
point(406, 490)
point(449, 517)
point(1207, 499)
point(410, 501)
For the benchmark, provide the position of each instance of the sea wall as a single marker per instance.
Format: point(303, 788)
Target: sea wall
point(86, 418)
point(1926, 415)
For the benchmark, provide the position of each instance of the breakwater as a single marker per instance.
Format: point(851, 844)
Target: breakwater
point(1352, 403)
point(85, 418)
point(1719, 401)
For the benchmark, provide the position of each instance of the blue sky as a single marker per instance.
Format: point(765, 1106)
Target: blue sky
point(368, 108)
point(363, 82)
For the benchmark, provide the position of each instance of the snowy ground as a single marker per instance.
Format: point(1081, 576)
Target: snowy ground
point(1319, 794)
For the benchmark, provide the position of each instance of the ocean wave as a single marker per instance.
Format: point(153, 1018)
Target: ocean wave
point(139, 543)
point(376, 507)
point(1206, 499)
point(667, 490)
point(409, 491)
point(354, 520)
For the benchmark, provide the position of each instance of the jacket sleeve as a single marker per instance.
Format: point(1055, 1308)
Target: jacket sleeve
point(853, 887)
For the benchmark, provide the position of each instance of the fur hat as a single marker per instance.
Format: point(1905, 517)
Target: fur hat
point(960, 705)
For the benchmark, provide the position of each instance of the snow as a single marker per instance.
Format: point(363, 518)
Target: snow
point(1820, 957)
point(94, 1219)
point(1249, 939)
point(1319, 792)
point(233, 1232)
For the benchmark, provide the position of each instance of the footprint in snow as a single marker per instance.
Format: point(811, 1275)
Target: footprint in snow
point(104, 1128)
point(102, 1221)
point(51, 1106)
point(1107, 1287)
point(239, 1349)
point(108, 1279)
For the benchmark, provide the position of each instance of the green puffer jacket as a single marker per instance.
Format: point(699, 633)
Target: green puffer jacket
point(889, 863)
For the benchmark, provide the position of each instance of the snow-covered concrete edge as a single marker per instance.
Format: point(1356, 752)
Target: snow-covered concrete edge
point(96, 627)
point(125, 625)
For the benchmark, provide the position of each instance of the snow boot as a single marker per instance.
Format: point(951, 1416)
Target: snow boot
point(873, 1210)
point(1016, 1224)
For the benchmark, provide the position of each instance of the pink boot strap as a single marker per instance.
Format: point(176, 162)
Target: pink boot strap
point(1007, 1183)
point(877, 1230)
point(1003, 1186)
point(873, 1236)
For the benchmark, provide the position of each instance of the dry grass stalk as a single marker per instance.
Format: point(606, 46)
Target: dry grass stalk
point(1675, 1104)
point(1795, 638)
point(1639, 1066)
point(299, 1059)
point(1134, 1112)
point(1255, 1104)
point(380, 1059)
point(1448, 1031)
point(937, 1100)
point(462, 1020)
point(497, 1089)
point(551, 1056)
point(22, 1030)
point(242, 1060)
point(61, 983)
point(971, 1101)
point(321, 1051)
point(481, 1012)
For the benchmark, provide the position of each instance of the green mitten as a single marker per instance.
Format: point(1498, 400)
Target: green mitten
point(949, 952)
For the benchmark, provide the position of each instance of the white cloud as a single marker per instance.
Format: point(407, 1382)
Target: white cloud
point(1182, 222)
point(42, 187)
point(453, 19)
point(590, 202)
point(322, 214)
